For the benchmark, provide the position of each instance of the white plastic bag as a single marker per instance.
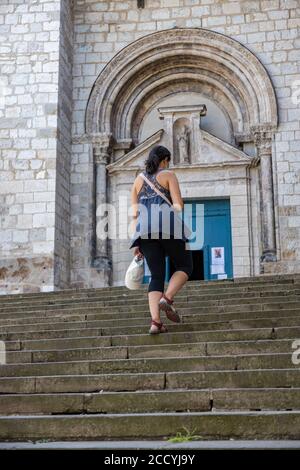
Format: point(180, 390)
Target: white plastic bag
point(135, 273)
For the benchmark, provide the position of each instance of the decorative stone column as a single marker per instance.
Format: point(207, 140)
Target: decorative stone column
point(263, 142)
point(101, 157)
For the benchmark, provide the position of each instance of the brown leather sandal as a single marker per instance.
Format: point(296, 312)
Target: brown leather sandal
point(157, 328)
point(167, 306)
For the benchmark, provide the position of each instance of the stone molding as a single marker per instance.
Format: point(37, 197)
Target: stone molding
point(151, 68)
point(143, 66)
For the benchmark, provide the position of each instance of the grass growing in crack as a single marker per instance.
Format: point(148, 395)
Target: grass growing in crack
point(188, 436)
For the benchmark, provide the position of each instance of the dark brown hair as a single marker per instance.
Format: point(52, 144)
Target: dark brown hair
point(156, 155)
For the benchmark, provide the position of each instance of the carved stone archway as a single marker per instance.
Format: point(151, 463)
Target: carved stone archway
point(142, 65)
point(153, 67)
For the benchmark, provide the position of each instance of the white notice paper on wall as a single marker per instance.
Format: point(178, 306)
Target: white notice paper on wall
point(217, 255)
point(222, 276)
point(217, 269)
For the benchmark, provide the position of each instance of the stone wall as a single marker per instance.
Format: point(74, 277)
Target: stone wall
point(30, 122)
point(270, 29)
point(64, 148)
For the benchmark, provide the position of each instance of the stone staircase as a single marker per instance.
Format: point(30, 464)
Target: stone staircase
point(81, 365)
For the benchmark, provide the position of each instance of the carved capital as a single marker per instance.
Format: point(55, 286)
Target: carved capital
point(264, 146)
point(103, 139)
point(102, 144)
point(263, 136)
point(101, 155)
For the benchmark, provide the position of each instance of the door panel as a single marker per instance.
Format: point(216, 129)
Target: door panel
point(218, 238)
point(215, 223)
point(212, 244)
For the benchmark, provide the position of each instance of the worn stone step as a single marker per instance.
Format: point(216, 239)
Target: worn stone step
point(241, 302)
point(157, 445)
point(48, 334)
point(211, 284)
point(114, 314)
point(141, 294)
point(88, 355)
point(208, 326)
point(136, 297)
point(187, 308)
point(150, 444)
point(193, 315)
point(206, 425)
point(195, 294)
point(186, 319)
point(165, 350)
point(192, 363)
point(247, 378)
point(18, 357)
point(255, 399)
point(142, 322)
point(83, 383)
point(152, 401)
point(200, 326)
point(209, 335)
point(139, 339)
point(196, 317)
point(188, 380)
point(228, 316)
point(58, 344)
point(102, 341)
point(99, 295)
point(109, 402)
point(142, 327)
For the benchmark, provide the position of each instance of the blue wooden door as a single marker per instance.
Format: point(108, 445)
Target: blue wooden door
point(217, 247)
point(212, 218)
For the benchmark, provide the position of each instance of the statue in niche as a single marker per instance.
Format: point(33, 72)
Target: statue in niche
point(183, 138)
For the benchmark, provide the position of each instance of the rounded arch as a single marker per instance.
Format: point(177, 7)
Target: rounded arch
point(235, 115)
point(147, 68)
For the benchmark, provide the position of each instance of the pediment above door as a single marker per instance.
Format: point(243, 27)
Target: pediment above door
point(212, 151)
point(135, 159)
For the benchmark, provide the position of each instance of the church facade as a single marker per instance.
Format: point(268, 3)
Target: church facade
point(89, 87)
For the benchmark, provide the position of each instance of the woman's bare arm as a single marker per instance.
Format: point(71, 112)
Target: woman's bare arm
point(134, 199)
point(175, 191)
point(134, 204)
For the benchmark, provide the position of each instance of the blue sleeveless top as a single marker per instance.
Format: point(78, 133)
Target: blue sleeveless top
point(147, 192)
point(156, 219)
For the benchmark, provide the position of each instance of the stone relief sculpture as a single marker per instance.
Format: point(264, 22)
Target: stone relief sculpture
point(183, 139)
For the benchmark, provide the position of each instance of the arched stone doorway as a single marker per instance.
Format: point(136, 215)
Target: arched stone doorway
point(162, 70)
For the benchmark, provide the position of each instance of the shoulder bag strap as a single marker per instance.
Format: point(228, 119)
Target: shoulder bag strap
point(155, 189)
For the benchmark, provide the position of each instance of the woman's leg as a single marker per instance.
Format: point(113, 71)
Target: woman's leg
point(177, 281)
point(183, 261)
point(154, 298)
point(155, 257)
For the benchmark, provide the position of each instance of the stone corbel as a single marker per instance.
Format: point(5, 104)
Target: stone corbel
point(263, 136)
point(101, 157)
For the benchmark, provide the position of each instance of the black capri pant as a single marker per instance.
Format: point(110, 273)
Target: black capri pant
point(155, 251)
